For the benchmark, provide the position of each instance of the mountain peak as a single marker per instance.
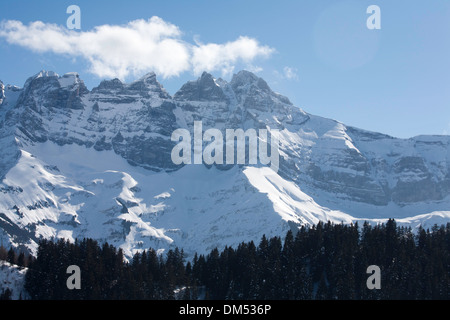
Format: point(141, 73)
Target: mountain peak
point(149, 83)
point(66, 155)
point(246, 78)
point(246, 83)
point(206, 75)
point(48, 89)
point(245, 75)
point(207, 80)
point(150, 75)
point(45, 74)
point(204, 88)
point(71, 80)
point(109, 85)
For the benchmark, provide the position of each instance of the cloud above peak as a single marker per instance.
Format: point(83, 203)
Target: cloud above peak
point(223, 57)
point(135, 48)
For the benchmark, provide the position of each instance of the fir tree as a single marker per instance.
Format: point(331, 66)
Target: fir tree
point(11, 257)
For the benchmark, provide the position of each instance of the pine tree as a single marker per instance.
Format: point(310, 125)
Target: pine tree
point(6, 294)
point(3, 253)
point(21, 260)
point(11, 257)
point(322, 290)
point(326, 261)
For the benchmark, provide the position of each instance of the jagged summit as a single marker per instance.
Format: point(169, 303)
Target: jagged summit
point(149, 77)
point(70, 80)
point(49, 78)
point(149, 83)
point(45, 74)
point(107, 86)
point(47, 89)
point(246, 81)
point(144, 86)
point(79, 163)
point(244, 77)
point(204, 88)
point(11, 91)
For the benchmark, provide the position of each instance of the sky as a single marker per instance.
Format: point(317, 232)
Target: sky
point(320, 54)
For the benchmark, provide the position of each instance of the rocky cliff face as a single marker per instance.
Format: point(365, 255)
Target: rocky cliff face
point(328, 171)
point(2, 92)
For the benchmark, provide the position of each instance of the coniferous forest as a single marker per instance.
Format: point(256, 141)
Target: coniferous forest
point(326, 261)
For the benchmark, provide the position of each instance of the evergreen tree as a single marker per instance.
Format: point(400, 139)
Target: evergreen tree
point(3, 253)
point(325, 261)
point(11, 257)
point(21, 260)
point(6, 294)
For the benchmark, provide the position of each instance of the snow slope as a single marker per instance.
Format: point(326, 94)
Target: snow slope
point(77, 163)
point(12, 277)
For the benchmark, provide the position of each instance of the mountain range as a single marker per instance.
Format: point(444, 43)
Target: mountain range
point(78, 163)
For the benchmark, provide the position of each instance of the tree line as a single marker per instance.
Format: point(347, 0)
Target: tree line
point(20, 259)
point(324, 261)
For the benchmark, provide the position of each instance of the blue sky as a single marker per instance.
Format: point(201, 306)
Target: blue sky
point(320, 53)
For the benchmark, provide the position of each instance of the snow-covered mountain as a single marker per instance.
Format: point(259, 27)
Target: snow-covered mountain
point(77, 163)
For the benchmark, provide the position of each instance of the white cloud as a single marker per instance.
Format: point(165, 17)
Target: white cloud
point(210, 57)
point(290, 73)
point(132, 49)
point(254, 69)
